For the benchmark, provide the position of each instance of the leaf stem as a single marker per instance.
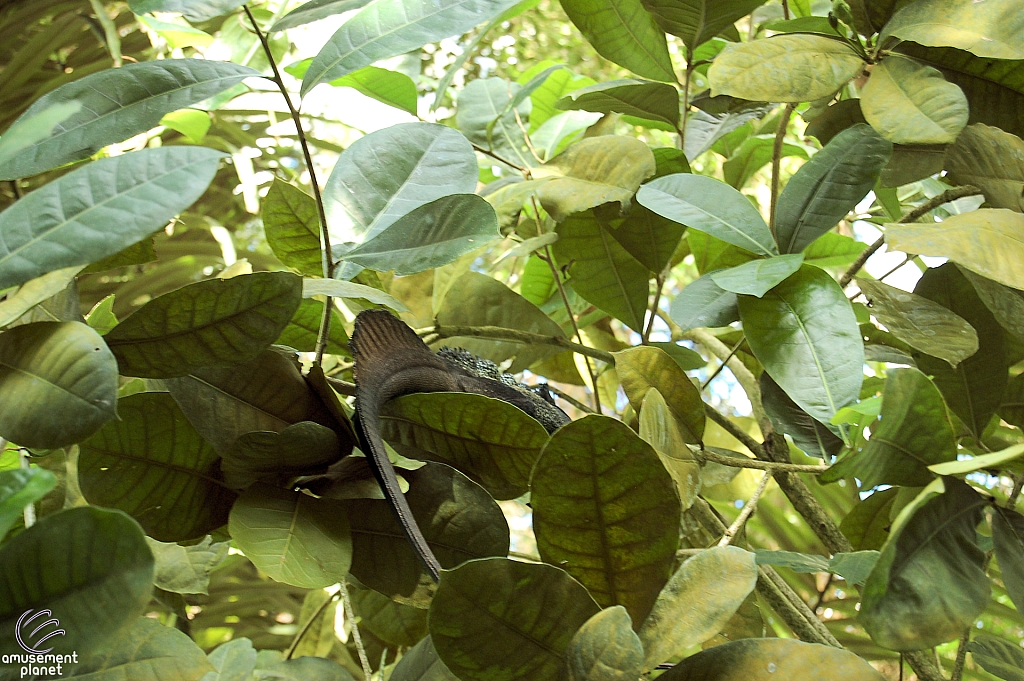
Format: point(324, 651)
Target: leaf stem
point(686, 99)
point(925, 208)
point(748, 509)
point(513, 166)
point(570, 399)
point(327, 256)
point(516, 336)
point(780, 136)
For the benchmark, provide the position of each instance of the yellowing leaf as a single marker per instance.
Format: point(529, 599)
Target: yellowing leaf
point(910, 103)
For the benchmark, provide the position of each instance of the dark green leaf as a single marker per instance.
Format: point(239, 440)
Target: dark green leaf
point(421, 663)
point(654, 101)
point(991, 160)
point(495, 619)
point(752, 155)
point(809, 434)
point(929, 583)
point(605, 649)
point(829, 186)
point(19, 488)
point(89, 567)
point(194, 10)
point(458, 518)
point(797, 562)
point(757, 277)
point(623, 32)
point(293, 537)
point(648, 237)
point(116, 104)
point(58, 384)
point(1011, 409)
point(643, 368)
point(702, 303)
point(100, 209)
point(394, 623)
point(853, 567)
point(697, 21)
point(314, 10)
point(996, 656)
point(705, 204)
point(805, 334)
point(867, 525)
point(34, 292)
point(388, 28)
point(1008, 537)
point(136, 254)
point(292, 227)
point(153, 465)
point(606, 511)
point(687, 359)
point(212, 323)
point(302, 448)
point(186, 569)
point(149, 651)
point(305, 668)
point(301, 332)
point(669, 161)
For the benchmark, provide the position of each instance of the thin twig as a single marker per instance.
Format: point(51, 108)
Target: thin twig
point(570, 399)
point(742, 374)
point(1011, 501)
point(357, 639)
point(515, 336)
point(912, 216)
point(734, 430)
point(488, 152)
point(780, 137)
point(721, 366)
point(327, 257)
point(307, 626)
point(748, 509)
point(686, 98)
point(770, 466)
point(785, 10)
point(660, 282)
point(961, 656)
point(906, 260)
point(821, 593)
point(341, 387)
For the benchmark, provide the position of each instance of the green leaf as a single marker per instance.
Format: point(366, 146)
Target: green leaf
point(815, 438)
point(305, 668)
point(974, 389)
point(998, 657)
point(486, 115)
point(217, 322)
point(991, 160)
point(394, 623)
point(702, 303)
point(643, 368)
point(186, 569)
point(605, 649)
point(102, 317)
point(624, 33)
point(757, 277)
point(1011, 408)
point(267, 393)
point(704, 129)
point(193, 10)
point(302, 448)
point(58, 384)
point(829, 186)
point(384, 175)
point(914, 434)
point(687, 359)
point(705, 204)
point(911, 103)
point(295, 538)
point(805, 334)
point(602, 271)
point(421, 663)
point(867, 525)
point(35, 291)
point(697, 602)
point(929, 583)
point(388, 28)
point(1005, 459)
point(301, 332)
point(592, 172)
point(115, 105)
point(853, 567)
point(1008, 537)
point(314, 10)
point(479, 300)
point(784, 68)
point(19, 488)
point(921, 323)
point(149, 651)
point(654, 101)
point(390, 87)
point(32, 129)
point(234, 660)
point(496, 619)
point(767, 659)
point(698, 21)
point(335, 288)
point(797, 562)
point(292, 227)
point(89, 567)
point(491, 441)
point(606, 511)
point(430, 236)
point(139, 253)
point(753, 154)
point(659, 429)
point(648, 237)
point(99, 209)
point(991, 29)
point(459, 519)
point(191, 123)
point(153, 465)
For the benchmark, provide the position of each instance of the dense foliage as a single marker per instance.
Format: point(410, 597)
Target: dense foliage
point(679, 215)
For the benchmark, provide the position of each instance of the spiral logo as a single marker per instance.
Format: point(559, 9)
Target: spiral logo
point(42, 629)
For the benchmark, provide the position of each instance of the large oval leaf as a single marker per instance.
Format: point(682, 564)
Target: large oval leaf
point(489, 114)
point(491, 441)
point(784, 68)
point(1008, 540)
point(991, 160)
point(697, 602)
point(150, 651)
point(654, 101)
point(645, 367)
point(757, 277)
point(100, 209)
point(805, 333)
point(704, 303)
point(430, 236)
point(986, 29)
point(497, 620)
point(710, 206)
point(605, 649)
point(829, 186)
point(153, 465)
point(217, 322)
point(293, 537)
point(920, 323)
point(88, 568)
point(58, 384)
point(116, 104)
point(387, 28)
point(988, 241)
point(910, 103)
point(929, 584)
point(768, 659)
point(809, 434)
point(421, 663)
point(698, 21)
point(386, 174)
point(391, 622)
point(292, 226)
point(606, 511)
point(301, 448)
point(623, 32)
point(314, 10)
point(458, 518)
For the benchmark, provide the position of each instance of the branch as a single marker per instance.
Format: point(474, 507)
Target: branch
point(570, 399)
point(741, 519)
point(923, 665)
point(780, 136)
point(743, 375)
point(771, 466)
point(912, 216)
point(513, 166)
point(499, 333)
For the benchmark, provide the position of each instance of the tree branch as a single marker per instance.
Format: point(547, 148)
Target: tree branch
point(755, 464)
